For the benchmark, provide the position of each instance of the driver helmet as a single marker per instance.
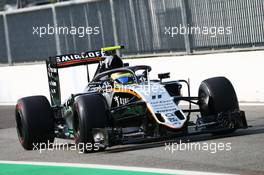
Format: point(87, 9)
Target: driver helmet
point(122, 78)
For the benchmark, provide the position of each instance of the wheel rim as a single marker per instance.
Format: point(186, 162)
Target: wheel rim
point(204, 102)
point(77, 130)
point(20, 128)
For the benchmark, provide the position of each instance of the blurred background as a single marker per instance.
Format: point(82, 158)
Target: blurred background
point(137, 24)
point(8, 5)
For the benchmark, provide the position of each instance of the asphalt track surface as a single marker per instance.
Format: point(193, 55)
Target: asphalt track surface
point(245, 157)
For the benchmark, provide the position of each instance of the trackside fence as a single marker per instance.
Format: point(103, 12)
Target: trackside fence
point(145, 27)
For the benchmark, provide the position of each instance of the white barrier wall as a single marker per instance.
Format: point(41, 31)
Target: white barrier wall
point(244, 69)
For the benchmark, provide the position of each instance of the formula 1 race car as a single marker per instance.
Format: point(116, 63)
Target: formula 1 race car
point(122, 105)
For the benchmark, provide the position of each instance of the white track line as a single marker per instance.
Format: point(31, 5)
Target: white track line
point(111, 167)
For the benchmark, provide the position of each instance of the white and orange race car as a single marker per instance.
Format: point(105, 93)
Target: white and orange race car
point(122, 105)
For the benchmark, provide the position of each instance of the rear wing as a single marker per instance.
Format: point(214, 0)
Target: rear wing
point(84, 58)
point(70, 60)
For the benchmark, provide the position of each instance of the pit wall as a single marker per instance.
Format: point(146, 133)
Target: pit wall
point(244, 69)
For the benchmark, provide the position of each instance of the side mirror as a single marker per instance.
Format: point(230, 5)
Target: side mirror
point(126, 64)
point(163, 76)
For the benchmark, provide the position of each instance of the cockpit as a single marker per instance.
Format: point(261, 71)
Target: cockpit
point(123, 76)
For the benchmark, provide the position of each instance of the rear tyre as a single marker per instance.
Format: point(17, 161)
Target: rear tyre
point(90, 113)
point(217, 95)
point(34, 122)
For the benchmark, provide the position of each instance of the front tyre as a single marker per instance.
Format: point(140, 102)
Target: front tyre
point(90, 114)
point(34, 122)
point(217, 95)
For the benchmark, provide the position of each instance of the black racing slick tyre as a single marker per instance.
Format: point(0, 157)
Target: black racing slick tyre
point(34, 122)
point(91, 112)
point(217, 95)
